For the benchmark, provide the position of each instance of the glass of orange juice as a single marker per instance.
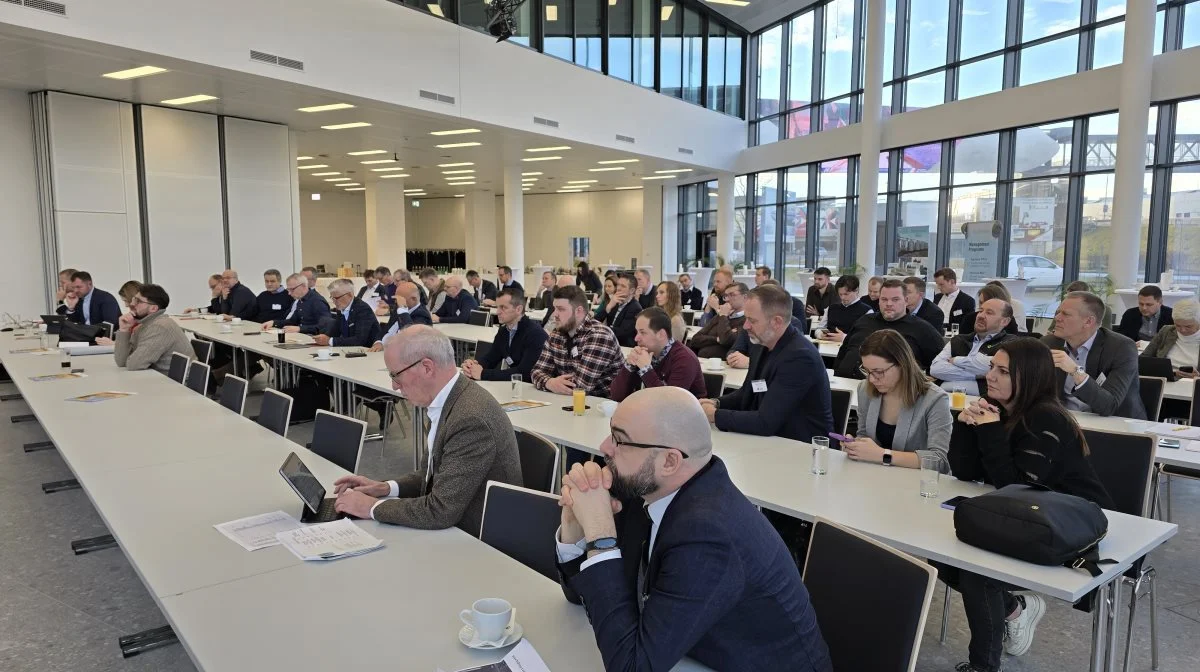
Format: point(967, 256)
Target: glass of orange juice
point(580, 401)
point(958, 397)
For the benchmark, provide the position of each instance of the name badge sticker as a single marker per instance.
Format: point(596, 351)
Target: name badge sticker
point(574, 352)
point(759, 386)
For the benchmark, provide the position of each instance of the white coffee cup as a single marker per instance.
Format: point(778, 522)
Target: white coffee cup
point(608, 407)
point(324, 353)
point(713, 363)
point(489, 616)
point(237, 320)
point(226, 328)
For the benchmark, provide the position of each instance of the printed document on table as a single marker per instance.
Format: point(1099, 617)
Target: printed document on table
point(1165, 430)
point(258, 531)
point(329, 541)
point(523, 658)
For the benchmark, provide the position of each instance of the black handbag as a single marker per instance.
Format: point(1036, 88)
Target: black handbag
point(1035, 524)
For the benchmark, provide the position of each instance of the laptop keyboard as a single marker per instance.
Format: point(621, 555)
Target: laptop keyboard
point(327, 513)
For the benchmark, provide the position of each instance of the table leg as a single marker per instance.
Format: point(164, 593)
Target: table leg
point(1099, 628)
point(1114, 615)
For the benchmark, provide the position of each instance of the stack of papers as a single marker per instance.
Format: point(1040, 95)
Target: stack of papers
point(1183, 432)
point(329, 541)
point(258, 531)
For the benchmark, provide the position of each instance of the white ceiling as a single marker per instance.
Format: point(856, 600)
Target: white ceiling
point(758, 14)
point(34, 62)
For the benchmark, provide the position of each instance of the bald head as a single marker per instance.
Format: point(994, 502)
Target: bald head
point(409, 292)
point(229, 278)
point(668, 416)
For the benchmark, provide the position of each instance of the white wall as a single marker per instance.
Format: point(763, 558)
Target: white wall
point(334, 229)
point(21, 251)
point(258, 174)
point(440, 223)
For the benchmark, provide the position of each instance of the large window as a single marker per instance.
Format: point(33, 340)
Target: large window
point(1181, 191)
point(698, 223)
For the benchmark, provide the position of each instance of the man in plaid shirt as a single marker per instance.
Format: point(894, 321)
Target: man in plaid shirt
point(581, 353)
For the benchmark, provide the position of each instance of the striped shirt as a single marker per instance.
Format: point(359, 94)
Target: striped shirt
point(591, 355)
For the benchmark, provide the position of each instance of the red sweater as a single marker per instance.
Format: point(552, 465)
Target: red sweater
point(679, 368)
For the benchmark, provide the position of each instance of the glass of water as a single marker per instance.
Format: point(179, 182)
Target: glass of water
point(953, 329)
point(517, 382)
point(931, 470)
point(820, 455)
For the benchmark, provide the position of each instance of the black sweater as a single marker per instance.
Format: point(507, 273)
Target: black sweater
point(273, 305)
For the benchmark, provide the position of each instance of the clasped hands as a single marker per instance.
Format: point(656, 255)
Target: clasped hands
point(588, 509)
point(980, 412)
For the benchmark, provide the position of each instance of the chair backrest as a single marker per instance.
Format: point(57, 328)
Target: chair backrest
point(276, 411)
point(481, 349)
point(517, 522)
point(1194, 415)
point(539, 460)
point(203, 349)
point(840, 400)
point(179, 365)
point(338, 439)
point(714, 384)
point(233, 393)
point(1124, 463)
point(480, 318)
point(1152, 395)
point(850, 576)
point(197, 377)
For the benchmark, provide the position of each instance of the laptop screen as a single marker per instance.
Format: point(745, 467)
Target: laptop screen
point(305, 485)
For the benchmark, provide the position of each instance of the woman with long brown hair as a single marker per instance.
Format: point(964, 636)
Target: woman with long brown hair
point(1018, 433)
point(668, 298)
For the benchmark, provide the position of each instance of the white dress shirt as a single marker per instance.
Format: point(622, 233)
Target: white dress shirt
point(435, 417)
point(568, 552)
point(85, 305)
point(395, 328)
point(1080, 356)
point(966, 369)
point(947, 304)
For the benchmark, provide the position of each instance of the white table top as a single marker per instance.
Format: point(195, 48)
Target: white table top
point(1187, 455)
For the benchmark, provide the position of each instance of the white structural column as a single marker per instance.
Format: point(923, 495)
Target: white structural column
point(480, 215)
point(725, 216)
point(868, 164)
point(1134, 114)
point(387, 243)
point(653, 252)
point(668, 208)
point(514, 221)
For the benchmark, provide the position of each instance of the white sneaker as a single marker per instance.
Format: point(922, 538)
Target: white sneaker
point(1018, 633)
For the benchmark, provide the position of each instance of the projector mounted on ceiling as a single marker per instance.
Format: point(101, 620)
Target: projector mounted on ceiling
point(501, 20)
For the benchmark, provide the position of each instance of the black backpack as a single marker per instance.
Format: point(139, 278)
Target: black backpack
point(1035, 524)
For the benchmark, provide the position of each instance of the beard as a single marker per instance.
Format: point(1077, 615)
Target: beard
point(633, 486)
point(567, 327)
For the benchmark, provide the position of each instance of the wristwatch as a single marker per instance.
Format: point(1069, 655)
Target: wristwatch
point(887, 458)
point(601, 544)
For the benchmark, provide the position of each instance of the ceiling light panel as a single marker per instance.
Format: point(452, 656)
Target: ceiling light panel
point(338, 179)
point(375, 161)
point(528, 174)
point(658, 177)
point(457, 172)
point(352, 124)
point(605, 170)
point(367, 152)
point(386, 170)
point(393, 175)
point(304, 158)
point(582, 181)
point(188, 100)
point(455, 145)
point(614, 161)
point(460, 131)
point(134, 73)
point(674, 170)
point(542, 158)
point(626, 188)
point(312, 167)
point(357, 189)
point(456, 165)
point(324, 174)
point(560, 148)
point(325, 108)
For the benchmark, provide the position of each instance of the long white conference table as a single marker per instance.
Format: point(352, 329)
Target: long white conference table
point(774, 473)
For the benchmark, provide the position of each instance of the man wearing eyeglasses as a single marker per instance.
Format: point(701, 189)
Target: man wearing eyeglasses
point(470, 442)
point(354, 323)
point(145, 336)
point(670, 559)
point(307, 309)
point(925, 341)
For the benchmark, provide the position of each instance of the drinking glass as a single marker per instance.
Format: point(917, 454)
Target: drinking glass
point(820, 455)
point(516, 386)
point(930, 473)
point(958, 397)
point(953, 329)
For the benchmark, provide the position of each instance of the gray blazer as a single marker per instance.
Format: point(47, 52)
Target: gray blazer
point(923, 427)
point(151, 344)
point(1115, 357)
point(475, 444)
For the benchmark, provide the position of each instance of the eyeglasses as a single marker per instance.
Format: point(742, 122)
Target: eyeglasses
point(136, 300)
point(339, 296)
point(878, 373)
point(395, 375)
point(292, 289)
point(618, 443)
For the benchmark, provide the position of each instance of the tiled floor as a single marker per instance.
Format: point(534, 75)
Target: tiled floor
point(62, 612)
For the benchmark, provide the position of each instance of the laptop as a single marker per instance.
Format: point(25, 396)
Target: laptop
point(1159, 367)
point(53, 323)
point(317, 507)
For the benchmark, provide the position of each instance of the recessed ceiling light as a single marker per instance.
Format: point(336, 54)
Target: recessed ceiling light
point(626, 188)
point(375, 161)
point(731, 3)
point(338, 179)
point(304, 158)
point(435, 9)
point(413, 191)
point(542, 158)
point(548, 149)
point(350, 184)
point(324, 174)
point(133, 73)
point(582, 181)
point(460, 131)
point(456, 165)
point(388, 177)
point(188, 100)
point(325, 108)
point(457, 172)
point(338, 127)
point(605, 170)
point(316, 197)
point(666, 12)
point(529, 179)
point(366, 152)
point(461, 184)
point(658, 177)
point(527, 174)
point(312, 167)
point(673, 170)
point(386, 170)
point(570, 191)
point(357, 189)
point(459, 195)
point(459, 144)
point(608, 163)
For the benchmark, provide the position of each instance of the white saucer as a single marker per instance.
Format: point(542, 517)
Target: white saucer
point(513, 634)
point(718, 369)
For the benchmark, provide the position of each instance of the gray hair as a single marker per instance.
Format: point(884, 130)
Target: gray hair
point(424, 342)
point(1187, 309)
point(340, 284)
point(297, 276)
point(1091, 303)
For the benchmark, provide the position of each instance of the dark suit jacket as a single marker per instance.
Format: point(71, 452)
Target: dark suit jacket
point(103, 308)
point(241, 303)
point(962, 305)
point(720, 587)
point(544, 301)
point(475, 444)
point(929, 312)
point(457, 310)
point(308, 314)
point(366, 290)
point(513, 284)
point(647, 300)
point(527, 346)
point(798, 308)
point(1131, 322)
point(418, 315)
point(1115, 357)
point(361, 330)
point(796, 404)
point(925, 341)
point(486, 290)
point(625, 324)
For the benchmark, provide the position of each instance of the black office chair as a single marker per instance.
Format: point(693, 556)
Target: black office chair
point(480, 318)
point(1124, 463)
point(1171, 471)
point(203, 350)
point(197, 378)
point(517, 522)
point(179, 365)
point(848, 575)
point(481, 349)
point(1151, 389)
point(714, 384)
point(840, 400)
point(539, 460)
point(233, 393)
point(276, 412)
point(338, 439)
